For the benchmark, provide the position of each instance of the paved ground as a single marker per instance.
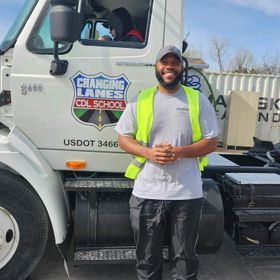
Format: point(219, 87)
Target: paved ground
point(225, 265)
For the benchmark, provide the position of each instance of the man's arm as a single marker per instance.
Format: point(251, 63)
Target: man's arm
point(198, 149)
point(161, 154)
point(164, 153)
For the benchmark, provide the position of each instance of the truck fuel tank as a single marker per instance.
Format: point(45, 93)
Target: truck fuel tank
point(102, 227)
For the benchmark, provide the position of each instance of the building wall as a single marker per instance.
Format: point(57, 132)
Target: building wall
point(268, 116)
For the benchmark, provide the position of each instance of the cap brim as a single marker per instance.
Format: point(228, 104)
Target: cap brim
point(175, 54)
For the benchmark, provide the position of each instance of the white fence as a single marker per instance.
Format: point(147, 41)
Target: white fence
point(268, 115)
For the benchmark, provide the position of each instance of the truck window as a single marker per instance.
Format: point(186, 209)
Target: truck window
point(15, 29)
point(97, 23)
point(95, 30)
point(39, 40)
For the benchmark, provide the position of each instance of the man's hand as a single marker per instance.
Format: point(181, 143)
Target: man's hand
point(165, 153)
point(161, 153)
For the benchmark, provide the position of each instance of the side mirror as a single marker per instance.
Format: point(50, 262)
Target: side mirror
point(65, 21)
point(65, 27)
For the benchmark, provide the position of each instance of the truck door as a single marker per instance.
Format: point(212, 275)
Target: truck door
point(77, 112)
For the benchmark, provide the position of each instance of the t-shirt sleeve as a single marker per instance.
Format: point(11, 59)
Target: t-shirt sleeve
point(208, 119)
point(126, 125)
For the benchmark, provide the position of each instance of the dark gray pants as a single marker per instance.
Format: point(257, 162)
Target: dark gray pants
point(150, 220)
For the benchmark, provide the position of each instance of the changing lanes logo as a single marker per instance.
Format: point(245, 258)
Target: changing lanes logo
point(99, 99)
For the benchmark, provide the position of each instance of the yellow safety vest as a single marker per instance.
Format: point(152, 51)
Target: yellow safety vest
point(144, 119)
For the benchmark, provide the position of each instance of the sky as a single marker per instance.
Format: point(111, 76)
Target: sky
point(249, 24)
point(8, 12)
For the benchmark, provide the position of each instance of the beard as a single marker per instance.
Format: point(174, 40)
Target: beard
point(172, 84)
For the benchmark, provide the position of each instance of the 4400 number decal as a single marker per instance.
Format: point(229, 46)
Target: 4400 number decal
point(99, 99)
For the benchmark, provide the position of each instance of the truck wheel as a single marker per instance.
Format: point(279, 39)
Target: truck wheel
point(23, 227)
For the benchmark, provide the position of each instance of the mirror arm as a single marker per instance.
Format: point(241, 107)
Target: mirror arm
point(58, 67)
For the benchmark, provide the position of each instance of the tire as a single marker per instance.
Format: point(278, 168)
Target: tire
point(24, 227)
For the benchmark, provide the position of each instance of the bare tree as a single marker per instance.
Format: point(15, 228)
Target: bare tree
point(218, 49)
point(242, 62)
point(271, 64)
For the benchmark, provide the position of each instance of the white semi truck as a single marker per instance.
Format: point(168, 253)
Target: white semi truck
point(61, 93)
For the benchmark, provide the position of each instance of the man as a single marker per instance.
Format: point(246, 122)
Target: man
point(122, 27)
point(169, 128)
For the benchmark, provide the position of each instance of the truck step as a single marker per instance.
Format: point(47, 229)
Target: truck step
point(257, 215)
point(108, 255)
point(100, 184)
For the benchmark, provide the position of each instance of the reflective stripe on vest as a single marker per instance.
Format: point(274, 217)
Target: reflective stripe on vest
point(144, 119)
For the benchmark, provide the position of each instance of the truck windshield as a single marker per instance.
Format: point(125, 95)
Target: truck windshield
point(15, 29)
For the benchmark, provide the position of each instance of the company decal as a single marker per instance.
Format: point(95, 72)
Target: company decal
point(93, 143)
point(268, 108)
point(99, 99)
point(194, 82)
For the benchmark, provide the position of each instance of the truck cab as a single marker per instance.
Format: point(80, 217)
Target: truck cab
point(72, 116)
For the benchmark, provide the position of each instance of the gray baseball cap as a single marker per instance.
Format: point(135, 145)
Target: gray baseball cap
point(169, 49)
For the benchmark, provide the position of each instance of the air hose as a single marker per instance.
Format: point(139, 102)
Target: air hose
point(213, 100)
point(187, 68)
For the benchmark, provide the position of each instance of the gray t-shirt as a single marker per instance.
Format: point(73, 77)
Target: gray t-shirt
point(181, 179)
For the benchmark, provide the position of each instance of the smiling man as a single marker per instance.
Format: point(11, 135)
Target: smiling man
point(169, 129)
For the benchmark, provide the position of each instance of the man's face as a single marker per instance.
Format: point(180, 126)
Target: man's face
point(169, 71)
